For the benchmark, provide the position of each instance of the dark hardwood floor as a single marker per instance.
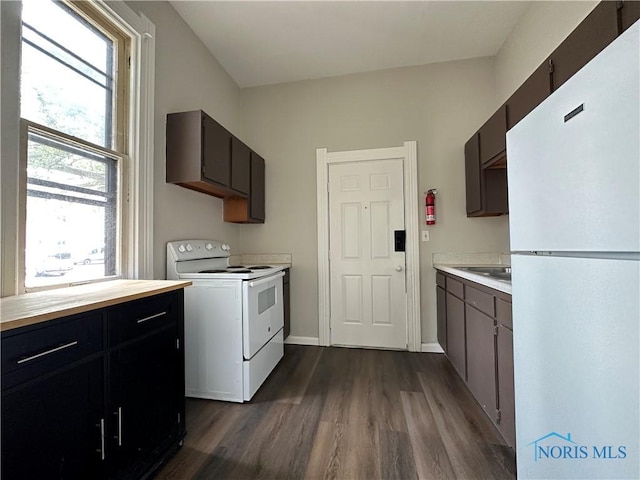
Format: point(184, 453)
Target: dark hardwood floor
point(346, 413)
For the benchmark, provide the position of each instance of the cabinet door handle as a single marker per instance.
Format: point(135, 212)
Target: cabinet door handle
point(152, 317)
point(38, 355)
point(101, 449)
point(119, 415)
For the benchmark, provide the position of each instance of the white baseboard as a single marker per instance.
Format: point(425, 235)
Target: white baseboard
point(432, 348)
point(291, 340)
point(302, 340)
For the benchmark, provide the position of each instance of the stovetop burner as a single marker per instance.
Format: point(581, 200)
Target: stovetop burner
point(260, 267)
point(213, 271)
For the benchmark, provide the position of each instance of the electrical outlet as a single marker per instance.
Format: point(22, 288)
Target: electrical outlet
point(425, 235)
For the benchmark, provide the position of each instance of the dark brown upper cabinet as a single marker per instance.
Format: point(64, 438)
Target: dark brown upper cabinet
point(251, 209)
point(240, 166)
point(530, 94)
point(200, 156)
point(493, 133)
point(589, 38)
point(256, 200)
point(629, 13)
point(472, 174)
point(216, 152)
point(487, 179)
point(486, 187)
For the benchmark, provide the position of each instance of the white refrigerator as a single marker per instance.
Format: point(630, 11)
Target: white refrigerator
point(574, 200)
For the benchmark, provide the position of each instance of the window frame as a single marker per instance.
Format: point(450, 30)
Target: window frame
point(137, 210)
point(27, 126)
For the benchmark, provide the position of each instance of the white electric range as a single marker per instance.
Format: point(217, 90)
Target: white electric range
point(234, 320)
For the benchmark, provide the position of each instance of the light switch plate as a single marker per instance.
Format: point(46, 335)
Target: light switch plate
point(425, 235)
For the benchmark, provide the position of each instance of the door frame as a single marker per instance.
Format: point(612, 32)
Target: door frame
point(408, 153)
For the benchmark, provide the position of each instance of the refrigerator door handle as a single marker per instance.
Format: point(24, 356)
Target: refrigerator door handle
point(574, 112)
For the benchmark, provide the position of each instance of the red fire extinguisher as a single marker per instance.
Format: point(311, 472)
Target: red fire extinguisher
point(430, 207)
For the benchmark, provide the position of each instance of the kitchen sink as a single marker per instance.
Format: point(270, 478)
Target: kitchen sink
point(499, 273)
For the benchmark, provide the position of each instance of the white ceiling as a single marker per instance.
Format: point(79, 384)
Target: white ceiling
point(268, 42)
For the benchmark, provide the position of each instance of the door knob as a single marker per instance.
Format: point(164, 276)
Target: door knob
point(399, 268)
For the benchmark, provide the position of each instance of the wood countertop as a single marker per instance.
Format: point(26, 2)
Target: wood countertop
point(31, 308)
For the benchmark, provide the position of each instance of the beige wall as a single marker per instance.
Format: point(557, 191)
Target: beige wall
point(188, 77)
point(438, 105)
point(540, 30)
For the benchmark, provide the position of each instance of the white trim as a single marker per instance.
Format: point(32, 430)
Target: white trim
point(431, 348)
point(412, 247)
point(139, 264)
point(408, 152)
point(9, 146)
point(324, 310)
point(290, 340)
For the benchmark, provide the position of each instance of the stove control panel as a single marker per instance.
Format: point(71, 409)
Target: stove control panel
point(196, 249)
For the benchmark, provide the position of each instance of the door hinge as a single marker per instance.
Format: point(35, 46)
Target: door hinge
point(498, 416)
point(551, 69)
point(619, 5)
point(327, 187)
point(177, 344)
point(495, 330)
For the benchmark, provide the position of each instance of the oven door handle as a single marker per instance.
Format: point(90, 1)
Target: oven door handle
point(266, 280)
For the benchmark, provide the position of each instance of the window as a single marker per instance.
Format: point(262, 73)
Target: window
point(74, 98)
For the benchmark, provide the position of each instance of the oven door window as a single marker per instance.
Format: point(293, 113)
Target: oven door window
point(266, 299)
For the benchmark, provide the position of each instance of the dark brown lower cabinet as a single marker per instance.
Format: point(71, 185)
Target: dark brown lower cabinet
point(456, 343)
point(481, 360)
point(43, 421)
point(506, 407)
point(441, 302)
point(97, 395)
point(479, 344)
point(144, 407)
point(286, 298)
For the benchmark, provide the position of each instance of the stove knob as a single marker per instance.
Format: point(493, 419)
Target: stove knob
point(208, 246)
point(225, 247)
point(189, 247)
point(181, 248)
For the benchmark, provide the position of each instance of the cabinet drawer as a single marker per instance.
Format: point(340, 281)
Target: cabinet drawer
point(38, 351)
point(441, 280)
point(137, 318)
point(481, 300)
point(503, 313)
point(455, 287)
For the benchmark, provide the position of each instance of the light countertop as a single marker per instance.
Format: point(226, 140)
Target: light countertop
point(31, 308)
point(450, 262)
point(500, 285)
point(276, 259)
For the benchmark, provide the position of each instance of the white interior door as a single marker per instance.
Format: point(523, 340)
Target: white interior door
point(367, 275)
